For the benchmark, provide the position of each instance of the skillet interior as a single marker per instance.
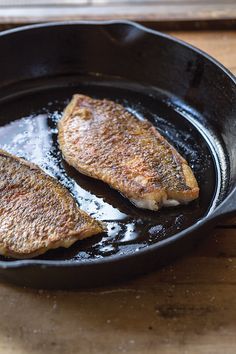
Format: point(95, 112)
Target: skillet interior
point(29, 129)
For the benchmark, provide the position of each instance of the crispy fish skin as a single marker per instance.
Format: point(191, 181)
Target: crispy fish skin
point(101, 139)
point(36, 212)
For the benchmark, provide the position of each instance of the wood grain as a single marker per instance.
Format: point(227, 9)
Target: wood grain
point(186, 308)
point(189, 307)
point(138, 11)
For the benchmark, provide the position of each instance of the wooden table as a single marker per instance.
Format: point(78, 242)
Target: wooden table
point(161, 14)
point(188, 307)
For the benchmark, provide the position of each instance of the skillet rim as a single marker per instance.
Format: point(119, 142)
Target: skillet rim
point(210, 217)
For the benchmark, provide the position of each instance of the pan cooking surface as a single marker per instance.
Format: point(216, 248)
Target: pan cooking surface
point(28, 119)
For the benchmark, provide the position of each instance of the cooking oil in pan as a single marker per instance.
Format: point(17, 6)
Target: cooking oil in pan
point(29, 129)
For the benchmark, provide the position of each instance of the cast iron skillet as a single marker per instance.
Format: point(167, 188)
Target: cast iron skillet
point(189, 97)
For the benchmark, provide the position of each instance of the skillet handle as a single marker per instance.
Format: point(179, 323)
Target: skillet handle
point(227, 208)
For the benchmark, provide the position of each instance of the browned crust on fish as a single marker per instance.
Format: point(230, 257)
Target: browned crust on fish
point(36, 212)
point(101, 139)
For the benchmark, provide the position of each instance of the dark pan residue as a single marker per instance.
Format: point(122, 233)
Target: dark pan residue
point(32, 134)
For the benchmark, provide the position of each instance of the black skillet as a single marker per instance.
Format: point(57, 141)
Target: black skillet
point(189, 97)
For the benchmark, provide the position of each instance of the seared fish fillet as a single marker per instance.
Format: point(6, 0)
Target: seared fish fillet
point(103, 140)
point(36, 212)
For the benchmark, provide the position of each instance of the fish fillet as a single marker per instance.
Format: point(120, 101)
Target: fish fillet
point(36, 212)
point(101, 139)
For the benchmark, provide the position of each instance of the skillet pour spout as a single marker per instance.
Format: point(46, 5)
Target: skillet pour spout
point(226, 210)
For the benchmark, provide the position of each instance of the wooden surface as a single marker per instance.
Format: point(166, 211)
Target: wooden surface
point(160, 13)
point(186, 308)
